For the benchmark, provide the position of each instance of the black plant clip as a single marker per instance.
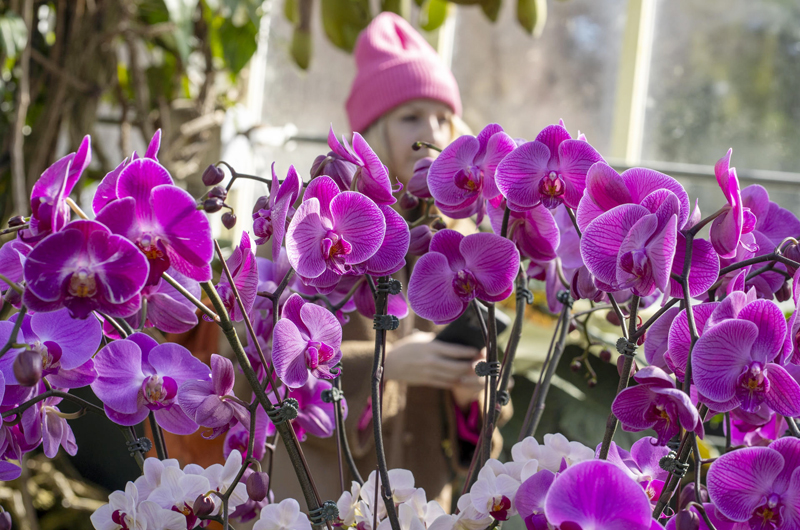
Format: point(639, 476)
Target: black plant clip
point(525, 293)
point(486, 369)
point(385, 322)
point(327, 512)
point(287, 410)
point(140, 445)
point(332, 395)
point(626, 347)
point(565, 298)
point(671, 464)
point(391, 286)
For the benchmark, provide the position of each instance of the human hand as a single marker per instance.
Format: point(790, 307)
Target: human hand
point(420, 360)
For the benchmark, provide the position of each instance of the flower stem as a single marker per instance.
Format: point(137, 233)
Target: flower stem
point(158, 437)
point(624, 379)
point(491, 408)
point(12, 339)
point(342, 433)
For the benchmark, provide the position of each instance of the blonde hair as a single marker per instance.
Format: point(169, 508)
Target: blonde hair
point(375, 135)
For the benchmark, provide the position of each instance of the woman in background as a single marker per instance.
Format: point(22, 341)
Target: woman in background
point(402, 94)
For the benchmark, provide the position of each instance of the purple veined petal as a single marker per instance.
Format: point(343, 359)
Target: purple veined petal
point(704, 267)
point(538, 237)
point(729, 308)
point(783, 395)
point(52, 432)
point(304, 240)
point(49, 191)
point(430, 289)
point(654, 377)
point(289, 189)
point(169, 315)
point(175, 361)
point(726, 230)
point(322, 325)
point(642, 182)
point(639, 237)
point(119, 376)
point(458, 156)
point(324, 189)
point(78, 339)
point(588, 494)
point(121, 267)
point(722, 172)
point(47, 266)
point(174, 420)
point(37, 305)
point(739, 481)
point(146, 344)
point(78, 377)
point(771, 329)
point(756, 198)
point(222, 375)
point(687, 413)
point(470, 207)
point(448, 243)
point(663, 203)
point(390, 256)
point(12, 260)
point(680, 339)
point(127, 419)
point(360, 222)
point(603, 238)
point(186, 230)
point(576, 157)
point(720, 356)
point(647, 456)
point(107, 189)
point(631, 405)
point(154, 146)
point(494, 261)
point(120, 218)
point(486, 134)
point(288, 354)
point(789, 449)
point(531, 493)
point(519, 174)
point(9, 471)
point(552, 136)
point(197, 398)
point(661, 251)
point(397, 306)
point(778, 224)
point(291, 311)
point(605, 190)
point(498, 147)
point(138, 180)
point(657, 338)
point(374, 179)
point(245, 276)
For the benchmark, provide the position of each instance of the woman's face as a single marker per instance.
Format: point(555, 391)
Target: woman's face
point(423, 120)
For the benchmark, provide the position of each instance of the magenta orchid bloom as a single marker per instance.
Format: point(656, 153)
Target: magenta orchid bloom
point(586, 496)
point(534, 231)
point(315, 416)
point(244, 271)
point(642, 464)
point(371, 177)
point(162, 220)
point(679, 340)
point(756, 428)
point(137, 375)
point(656, 404)
point(307, 337)
point(732, 362)
point(530, 498)
point(462, 178)
point(458, 269)
point(269, 219)
point(50, 212)
point(657, 343)
point(735, 220)
point(759, 485)
point(65, 344)
point(85, 268)
point(336, 167)
point(107, 189)
point(391, 254)
point(212, 403)
point(331, 232)
point(43, 422)
point(238, 437)
point(631, 247)
point(606, 189)
point(12, 262)
point(418, 184)
point(550, 170)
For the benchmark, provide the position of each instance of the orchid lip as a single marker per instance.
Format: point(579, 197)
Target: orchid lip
point(751, 387)
point(469, 179)
point(82, 283)
point(149, 246)
point(159, 391)
point(465, 285)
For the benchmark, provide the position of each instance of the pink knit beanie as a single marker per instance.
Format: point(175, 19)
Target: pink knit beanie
point(395, 64)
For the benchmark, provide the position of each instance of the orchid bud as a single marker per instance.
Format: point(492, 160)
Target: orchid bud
point(15, 221)
point(592, 382)
point(582, 286)
point(612, 318)
point(337, 168)
point(212, 205)
point(687, 520)
point(5, 521)
point(258, 486)
point(438, 224)
point(784, 292)
point(408, 202)
point(575, 365)
point(229, 220)
point(261, 203)
point(203, 506)
point(28, 368)
point(687, 495)
point(605, 355)
point(212, 175)
point(420, 240)
point(791, 251)
point(218, 192)
point(13, 297)
point(418, 184)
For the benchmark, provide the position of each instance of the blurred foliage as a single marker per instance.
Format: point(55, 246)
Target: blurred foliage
point(136, 64)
